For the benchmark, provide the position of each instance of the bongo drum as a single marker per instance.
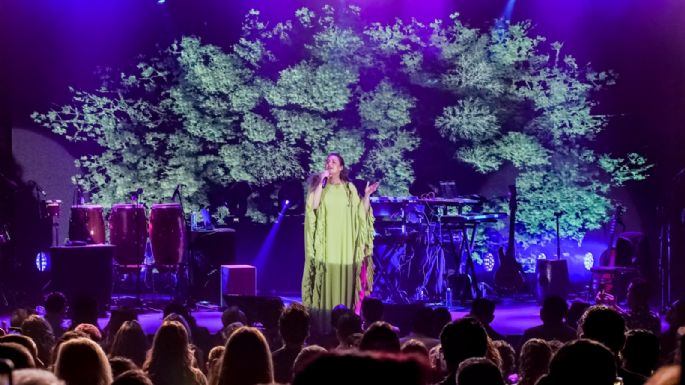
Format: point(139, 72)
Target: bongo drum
point(86, 224)
point(128, 232)
point(167, 233)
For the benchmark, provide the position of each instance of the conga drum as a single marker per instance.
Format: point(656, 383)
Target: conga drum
point(128, 232)
point(86, 224)
point(167, 233)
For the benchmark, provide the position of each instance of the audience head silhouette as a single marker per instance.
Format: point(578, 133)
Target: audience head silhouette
point(462, 339)
point(247, 359)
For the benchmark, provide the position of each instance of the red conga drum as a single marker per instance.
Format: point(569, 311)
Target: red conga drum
point(86, 224)
point(167, 233)
point(128, 232)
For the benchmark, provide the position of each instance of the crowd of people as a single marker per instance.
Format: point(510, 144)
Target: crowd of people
point(576, 344)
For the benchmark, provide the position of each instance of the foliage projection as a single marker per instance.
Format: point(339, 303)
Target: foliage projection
point(268, 110)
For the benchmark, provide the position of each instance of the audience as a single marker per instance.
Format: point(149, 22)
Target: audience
point(667, 375)
point(28, 343)
point(170, 360)
point(441, 317)
point(18, 354)
point(116, 319)
point(247, 359)
point(372, 310)
point(469, 351)
point(68, 335)
point(34, 377)
point(40, 331)
point(581, 362)
point(214, 363)
point(508, 358)
point(81, 361)
point(132, 377)
point(552, 314)
point(534, 361)
point(462, 339)
point(120, 365)
point(422, 328)
point(91, 330)
point(575, 312)
point(483, 310)
point(131, 342)
point(359, 368)
point(606, 325)
point(306, 357)
point(294, 328)
point(55, 311)
point(84, 310)
point(330, 339)
point(349, 331)
point(479, 371)
point(380, 337)
point(231, 319)
point(640, 353)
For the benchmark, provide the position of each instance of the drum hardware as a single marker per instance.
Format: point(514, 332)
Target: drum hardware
point(128, 233)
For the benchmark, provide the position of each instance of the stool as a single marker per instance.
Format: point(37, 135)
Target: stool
point(238, 280)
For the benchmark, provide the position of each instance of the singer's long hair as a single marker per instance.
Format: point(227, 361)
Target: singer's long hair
point(315, 179)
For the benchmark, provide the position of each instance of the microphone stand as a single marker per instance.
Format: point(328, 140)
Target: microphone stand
point(185, 265)
point(557, 215)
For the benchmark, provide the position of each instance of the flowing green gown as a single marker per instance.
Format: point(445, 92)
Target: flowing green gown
point(338, 267)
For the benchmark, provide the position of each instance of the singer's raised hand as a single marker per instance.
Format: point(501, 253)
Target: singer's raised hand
point(371, 188)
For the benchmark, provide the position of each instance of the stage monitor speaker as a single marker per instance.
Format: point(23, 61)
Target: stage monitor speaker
point(265, 310)
point(83, 271)
point(401, 315)
point(210, 249)
point(552, 278)
point(238, 280)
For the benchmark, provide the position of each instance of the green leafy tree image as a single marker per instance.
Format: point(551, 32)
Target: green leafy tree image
point(268, 110)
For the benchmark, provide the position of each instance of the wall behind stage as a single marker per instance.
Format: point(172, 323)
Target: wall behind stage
point(47, 162)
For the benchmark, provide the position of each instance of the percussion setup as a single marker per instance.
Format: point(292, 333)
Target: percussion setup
point(130, 229)
point(141, 244)
point(413, 235)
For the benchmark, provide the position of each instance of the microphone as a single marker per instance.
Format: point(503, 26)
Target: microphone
point(324, 181)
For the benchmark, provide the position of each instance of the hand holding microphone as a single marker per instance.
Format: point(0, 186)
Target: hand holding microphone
point(324, 178)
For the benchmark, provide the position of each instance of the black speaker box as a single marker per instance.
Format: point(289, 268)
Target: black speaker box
point(83, 271)
point(262, 309)
point(209, 250)
point(552, 278)
point(401, 315)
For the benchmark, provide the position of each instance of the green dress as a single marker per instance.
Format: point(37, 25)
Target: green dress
point(338, 268)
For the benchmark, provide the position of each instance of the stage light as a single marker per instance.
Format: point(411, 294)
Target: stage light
point(588, 260)
point(161, 1)
point(291, 196)
point(43, 261)
point(489, 262)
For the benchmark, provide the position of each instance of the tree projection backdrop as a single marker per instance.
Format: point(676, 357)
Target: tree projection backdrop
point(264, 114)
